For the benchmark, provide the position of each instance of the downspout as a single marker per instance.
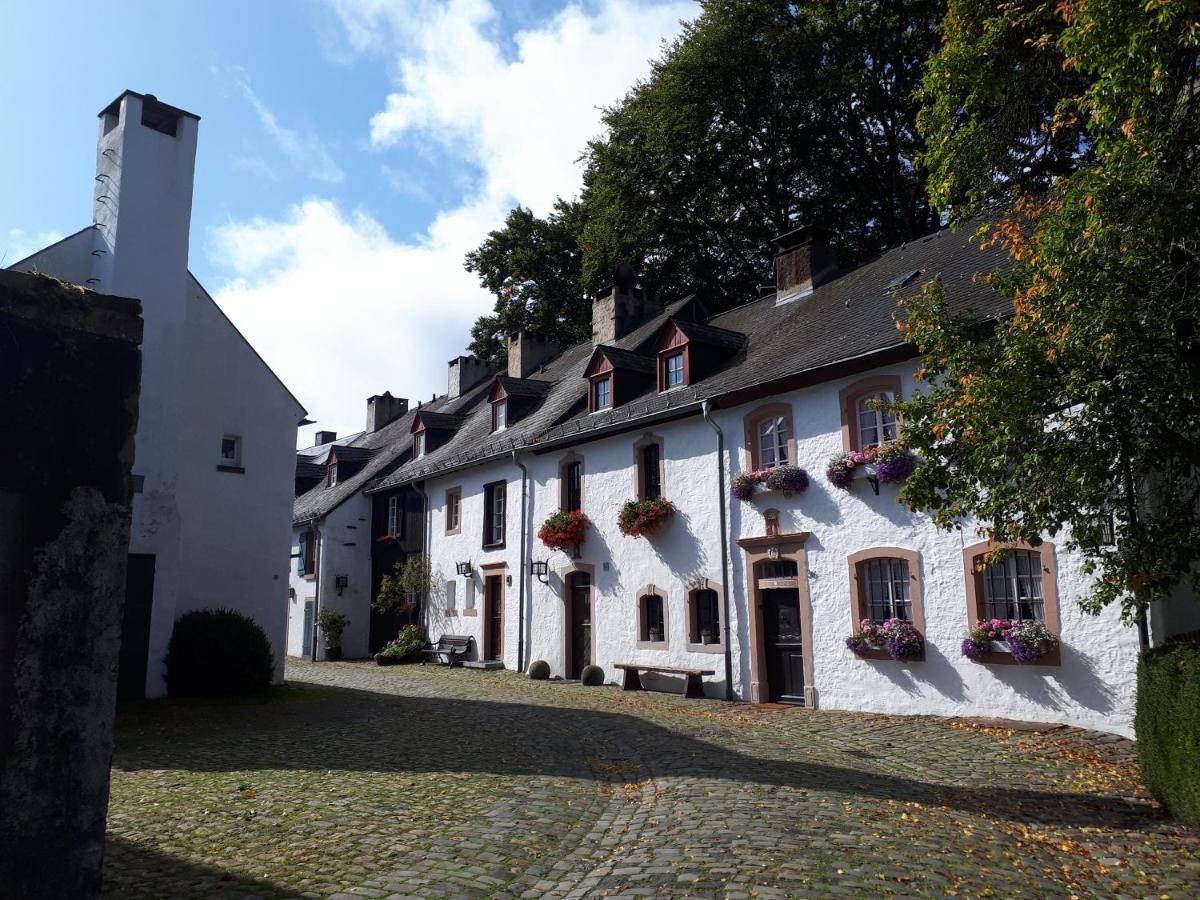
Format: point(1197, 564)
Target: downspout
point(521, 566)
point(705, 410)
point(419, 487)
point(316, 586)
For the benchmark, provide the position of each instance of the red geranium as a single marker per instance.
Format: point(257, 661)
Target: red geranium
point(563, 531)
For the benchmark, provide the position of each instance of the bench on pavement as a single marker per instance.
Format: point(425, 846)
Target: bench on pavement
point(449, 650)
point(692, 687)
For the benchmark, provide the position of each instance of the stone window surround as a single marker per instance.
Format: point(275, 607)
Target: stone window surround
point(453, 492)
point(565, 597)
point(848, 398)
point(973, 574)
point(639, 481)
point(703, 584)
point(451, 604)
point(493, 569)
point(569, 458)
point(858, 598)
point(643, 592)
point(754, 418)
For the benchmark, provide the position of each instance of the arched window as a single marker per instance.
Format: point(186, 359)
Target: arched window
point(652, 618)
point(866, 419)
point(1019, 584)
point(885, 583)
point(704, 633)
point(769, 437)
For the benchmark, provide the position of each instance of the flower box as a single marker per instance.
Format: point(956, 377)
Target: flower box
point(564, 531)
point(879, 465)
point(787, 480)
point(1010, 640)
point(897, 638)
point(638, 518)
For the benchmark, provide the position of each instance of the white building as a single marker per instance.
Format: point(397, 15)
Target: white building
point(216, 428)
point(761, 592)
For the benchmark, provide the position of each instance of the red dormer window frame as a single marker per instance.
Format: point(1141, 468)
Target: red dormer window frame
point(418, 431)
point(331, 470)
point(673, 342)
point(497, 397)
point(600, 370)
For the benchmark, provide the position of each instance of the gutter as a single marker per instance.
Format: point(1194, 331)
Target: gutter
point(521, 565)
point(705, 410)
point(419, 487)
point(318, 543)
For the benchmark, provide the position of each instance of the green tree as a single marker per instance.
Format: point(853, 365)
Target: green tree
point(761, 117)
point(1086, 402)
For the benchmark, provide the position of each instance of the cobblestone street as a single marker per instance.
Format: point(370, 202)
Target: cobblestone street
point(359, 781)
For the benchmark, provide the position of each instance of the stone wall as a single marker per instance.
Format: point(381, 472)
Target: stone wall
point(69, 373)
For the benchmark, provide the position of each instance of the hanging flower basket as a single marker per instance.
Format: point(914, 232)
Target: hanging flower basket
point(788, 479)
point(644, 517)
point(1027, 641)
point(564, 531)
point(899, 638)
point(841, 467)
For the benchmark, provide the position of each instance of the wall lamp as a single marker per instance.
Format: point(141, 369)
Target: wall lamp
point(463, 568)
point(539, 570)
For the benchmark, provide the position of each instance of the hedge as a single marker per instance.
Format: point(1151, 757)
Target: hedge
point(1167, 723)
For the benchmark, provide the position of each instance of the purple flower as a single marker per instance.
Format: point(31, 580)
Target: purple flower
point(894, 468)
point(974, 650)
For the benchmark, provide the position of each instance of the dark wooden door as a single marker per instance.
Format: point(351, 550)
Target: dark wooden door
point(306, 647)
point(135, 627)
point(581, 623)
point(784, 644)
point(495, 617)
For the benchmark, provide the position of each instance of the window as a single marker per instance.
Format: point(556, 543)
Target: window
point(572, 481)
point(1012, 587)
point(331, 472)
point(673, 371)
point(769, 441)
point(499, 415)
point(602, 393)
point(652, 624)
point(395, 516)
point(876, 424)
point(493, 514)
point(704, 620)
point(451, 595)
point(886, 582)
point(469, 597)
point(865, 421)
point(418, 445)
point(306, 557)
point(773, 442)
point(648, 467)
point(231, 450)
point(453, 510)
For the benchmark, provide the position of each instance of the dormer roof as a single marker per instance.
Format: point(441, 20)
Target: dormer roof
point(607, 358)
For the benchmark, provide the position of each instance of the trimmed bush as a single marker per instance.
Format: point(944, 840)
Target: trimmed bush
point(217, 653)
point(1167, 723)
point(592, 676)
point(539, 670)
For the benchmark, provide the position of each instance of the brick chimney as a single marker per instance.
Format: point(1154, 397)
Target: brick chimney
point(527, 351)
point(384, 408)
point(324, 437)
point(463, 373)
point(622, 310)
point(803, 262)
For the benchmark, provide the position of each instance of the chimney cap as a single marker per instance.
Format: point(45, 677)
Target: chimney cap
point(115, 107)
point(798, 237)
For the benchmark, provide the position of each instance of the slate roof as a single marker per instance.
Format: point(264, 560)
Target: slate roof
point(624, 359)
point(850, 317)
point(307, 469)
point(433, 419)
point(709, 334)
point(524, 387)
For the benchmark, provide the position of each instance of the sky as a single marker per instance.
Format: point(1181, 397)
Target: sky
point(350, 153)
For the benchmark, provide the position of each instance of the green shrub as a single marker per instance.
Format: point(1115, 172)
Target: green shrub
point(217, 653)
point(592, 676)
point(1168, 726)
point(539, 670)
point(405, 647)
point(332, 623)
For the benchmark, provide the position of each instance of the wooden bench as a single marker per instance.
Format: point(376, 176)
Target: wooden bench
point(692, 686)
point(449, 649)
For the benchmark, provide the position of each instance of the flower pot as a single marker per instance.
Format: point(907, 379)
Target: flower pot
point(333, 654)
point(655, 636)
point(707, 637)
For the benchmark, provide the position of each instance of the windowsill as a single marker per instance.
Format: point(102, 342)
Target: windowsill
point(450, 531)
point(451, 613)
point(705, 648)
point(233, 470)
point(499, 546)
point(470, 612)
point(651, 645)
point(309, 576)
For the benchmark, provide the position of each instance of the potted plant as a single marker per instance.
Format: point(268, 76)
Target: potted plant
point(656, 635)
point(564, 530)
point(644, 517)
point(332, 623)
point(786, 479)
point(707, 636)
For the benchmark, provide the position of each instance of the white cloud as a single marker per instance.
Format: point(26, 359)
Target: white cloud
point(19, 243)
point(307, 154)
point(341, 309)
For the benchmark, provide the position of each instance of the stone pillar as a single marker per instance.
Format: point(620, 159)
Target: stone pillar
point(69, 377)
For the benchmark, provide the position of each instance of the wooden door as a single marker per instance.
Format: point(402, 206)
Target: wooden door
point(580, 607)
point(784, 645)
point(495, 617)
point(135, 627)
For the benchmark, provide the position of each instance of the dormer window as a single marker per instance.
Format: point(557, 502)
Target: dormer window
point(331, 472)
point(673, 371)
point(418, 445)
point(499, 415)
point(602, 393)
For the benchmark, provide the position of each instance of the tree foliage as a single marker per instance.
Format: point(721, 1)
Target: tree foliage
point(763, 115)
point(1086, 403)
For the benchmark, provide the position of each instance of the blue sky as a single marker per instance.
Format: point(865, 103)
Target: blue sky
point(350, 152)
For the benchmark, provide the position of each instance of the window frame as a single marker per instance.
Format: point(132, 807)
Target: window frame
point(331, 471)
point(450, 603)
point(751, 424)
point(849, 397)
point(594, 392)
point(973, 573)
point(236, 461)
point(860, 601)
point(664, 368)
point(418, 450)
point(643, 626)
point(639, 466)
point(395, 516)
point(453, 502)
point(489, 490)
point(692, 638)
point(306, 565)
point(564, 488)
point(499, 411)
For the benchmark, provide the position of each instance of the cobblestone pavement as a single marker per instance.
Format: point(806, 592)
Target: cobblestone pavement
point(357, 781)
